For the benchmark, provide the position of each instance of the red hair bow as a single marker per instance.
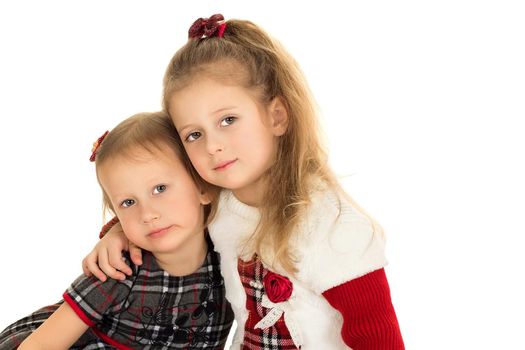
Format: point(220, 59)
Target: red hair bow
point(207, 27)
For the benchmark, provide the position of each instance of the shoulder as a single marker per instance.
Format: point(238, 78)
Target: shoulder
point(91, 286)
point(212, 261)
point(337, 241)
point(330, 213)
point(92, 298)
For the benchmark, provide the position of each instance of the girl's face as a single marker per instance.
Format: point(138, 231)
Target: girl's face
point(229, 136)
point(156, 200)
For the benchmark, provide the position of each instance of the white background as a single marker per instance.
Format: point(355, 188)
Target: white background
point(422, 104)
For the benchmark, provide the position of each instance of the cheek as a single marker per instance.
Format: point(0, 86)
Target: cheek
point(128, 228)
point(265, 146)
point(128, 219)
point(186, 206)
point(197, 157)
point(255, 135)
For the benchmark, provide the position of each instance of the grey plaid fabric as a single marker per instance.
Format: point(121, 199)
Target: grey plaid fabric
point(14, 335)
point(152, 309)
point(149, 310)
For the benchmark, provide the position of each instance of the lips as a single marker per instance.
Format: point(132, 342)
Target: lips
point(159, 232)
point(225, 165)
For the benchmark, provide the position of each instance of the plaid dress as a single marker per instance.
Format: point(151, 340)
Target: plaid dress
point(276, 337)
point(149, 310)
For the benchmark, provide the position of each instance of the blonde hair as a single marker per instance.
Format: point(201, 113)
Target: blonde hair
point(148, 131)
point(247, 55)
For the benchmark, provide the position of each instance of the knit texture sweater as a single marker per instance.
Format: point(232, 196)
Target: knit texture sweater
point(334, 243)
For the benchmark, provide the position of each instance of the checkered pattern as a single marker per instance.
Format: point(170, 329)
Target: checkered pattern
point(152, 309)
point(149, 310)
point(13, 335)
point(276, 337)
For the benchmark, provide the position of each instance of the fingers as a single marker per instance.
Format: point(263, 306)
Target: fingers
point(105, 260)
point(85, 270)
point(90, 267)
point(116, 262)
point(135, 254)
point(106, 263)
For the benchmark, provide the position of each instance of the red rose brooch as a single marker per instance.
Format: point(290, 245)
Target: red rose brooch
point(278, 288)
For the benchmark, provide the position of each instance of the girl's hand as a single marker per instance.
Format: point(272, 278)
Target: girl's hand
point(106, 257)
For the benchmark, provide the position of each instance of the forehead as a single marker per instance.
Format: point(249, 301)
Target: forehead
point(226, 71)
point(209, 94)
point(157, 155)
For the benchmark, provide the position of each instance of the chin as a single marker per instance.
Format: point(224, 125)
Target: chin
point(233, 186)
point(228, 184)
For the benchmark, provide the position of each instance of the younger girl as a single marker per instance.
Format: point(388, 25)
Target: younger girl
point(302, 263)
point(175, 299)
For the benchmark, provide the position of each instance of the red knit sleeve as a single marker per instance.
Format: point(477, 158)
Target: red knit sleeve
point(108, 226)
point(369, 319)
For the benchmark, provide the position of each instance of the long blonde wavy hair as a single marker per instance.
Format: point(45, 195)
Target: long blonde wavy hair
point(250, 58)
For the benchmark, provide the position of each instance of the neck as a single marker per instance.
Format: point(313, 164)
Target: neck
point(252, 194)
point(185, 260)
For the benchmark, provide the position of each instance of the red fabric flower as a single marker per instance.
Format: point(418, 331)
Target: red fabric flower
point(278, 288)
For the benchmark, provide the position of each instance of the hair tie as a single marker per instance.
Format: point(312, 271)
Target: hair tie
point(207, 27)
point(96, 145)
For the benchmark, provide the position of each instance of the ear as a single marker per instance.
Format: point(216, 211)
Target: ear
point(278, 116)
point(205, 197)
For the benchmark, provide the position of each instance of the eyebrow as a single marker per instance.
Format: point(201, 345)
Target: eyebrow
point(222, 109)
point(183, 128)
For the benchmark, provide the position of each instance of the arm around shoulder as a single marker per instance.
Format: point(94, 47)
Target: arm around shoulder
point(60, 331)
point(106, 256)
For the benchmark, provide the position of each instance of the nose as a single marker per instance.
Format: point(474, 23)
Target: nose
point(150, 215)
point(214, 144)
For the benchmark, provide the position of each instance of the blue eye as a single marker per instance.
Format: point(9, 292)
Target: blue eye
point(227, 121)
point(193, 136)
point(127, 203)
point(159, 189)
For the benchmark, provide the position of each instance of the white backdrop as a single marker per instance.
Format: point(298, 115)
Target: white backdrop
point(422, 103)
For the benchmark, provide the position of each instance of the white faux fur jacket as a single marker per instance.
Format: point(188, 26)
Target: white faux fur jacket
point(335, 243)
